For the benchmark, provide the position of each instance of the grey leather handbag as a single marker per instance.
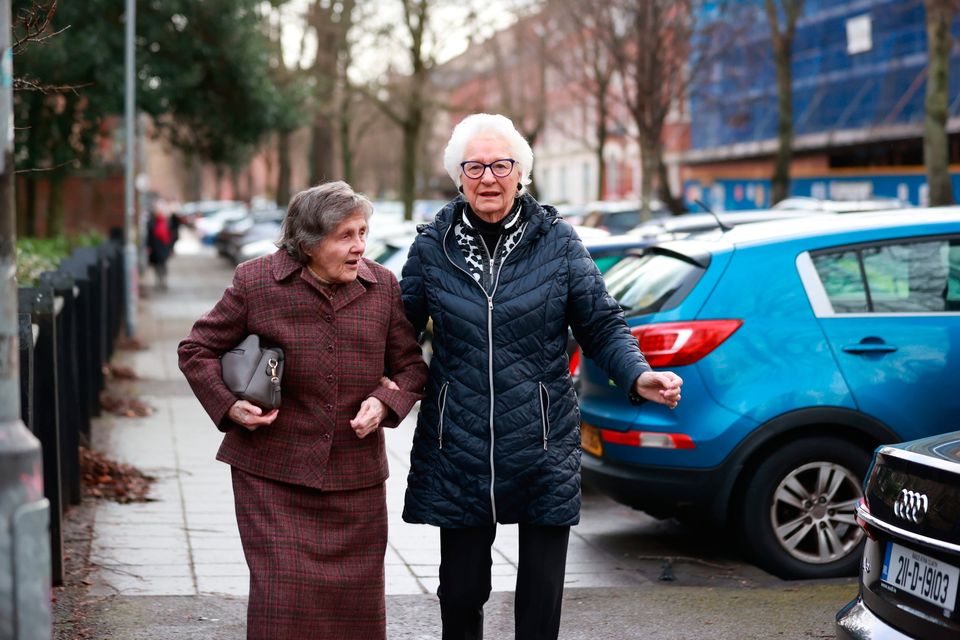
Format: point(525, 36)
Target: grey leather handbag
point(254, 372)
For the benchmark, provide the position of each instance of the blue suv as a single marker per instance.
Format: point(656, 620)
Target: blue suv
point(803, 345)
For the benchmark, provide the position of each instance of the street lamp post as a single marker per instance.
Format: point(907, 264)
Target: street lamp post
point(130, 262)
point(24, 512)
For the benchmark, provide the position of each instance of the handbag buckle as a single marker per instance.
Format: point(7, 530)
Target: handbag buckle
point(272, 364)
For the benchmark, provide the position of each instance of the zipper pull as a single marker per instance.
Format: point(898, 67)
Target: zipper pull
point(490, 303)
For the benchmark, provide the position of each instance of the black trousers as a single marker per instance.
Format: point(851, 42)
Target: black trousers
point(465, 563)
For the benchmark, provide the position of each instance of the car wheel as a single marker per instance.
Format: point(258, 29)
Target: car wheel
point(798, 516)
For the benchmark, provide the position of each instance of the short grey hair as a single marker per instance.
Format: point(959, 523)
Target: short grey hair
point(315, 212)
point(481, 125)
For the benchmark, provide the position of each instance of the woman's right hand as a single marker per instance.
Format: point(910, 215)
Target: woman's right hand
point(250, 416)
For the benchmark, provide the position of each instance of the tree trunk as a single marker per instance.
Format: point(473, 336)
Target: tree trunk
point(648, 162)
point(346, 144)
point(671, 202)
point(235, 184)
point(781, 168)
point(408, 171)
point(195, 179)
point(935, 150)
point(782, 57)
point(283, 168)
point(601, 132)
point(26, 214)
point(55, 206)
point(321, 151)
point(218, 176)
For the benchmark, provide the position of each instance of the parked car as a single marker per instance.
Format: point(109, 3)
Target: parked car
point(841, 206)
point(910, 567)
point(615, 216)
point(390, 252)
point(256, 225)
point(211, 224)
point(190, 212)
point(803, 345)
point(677, 227)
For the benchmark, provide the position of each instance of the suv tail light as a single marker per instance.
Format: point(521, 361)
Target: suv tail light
point(575, 364)
point(862, 504)
point(675, 344)
point(648, 439)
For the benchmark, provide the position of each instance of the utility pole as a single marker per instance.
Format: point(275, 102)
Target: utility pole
point(130, 262)
point(24, 512)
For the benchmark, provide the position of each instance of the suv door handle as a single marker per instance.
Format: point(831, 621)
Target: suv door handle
point(870, 347)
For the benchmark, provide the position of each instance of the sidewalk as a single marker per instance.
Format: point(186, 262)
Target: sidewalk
point(174, 567)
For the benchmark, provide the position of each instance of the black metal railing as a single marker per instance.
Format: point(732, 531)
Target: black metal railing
point(69, 325)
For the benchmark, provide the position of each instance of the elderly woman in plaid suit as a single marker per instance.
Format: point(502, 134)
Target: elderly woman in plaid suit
point(308, 478)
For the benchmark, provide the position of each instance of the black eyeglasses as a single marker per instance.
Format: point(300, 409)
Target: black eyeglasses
point(499, 168)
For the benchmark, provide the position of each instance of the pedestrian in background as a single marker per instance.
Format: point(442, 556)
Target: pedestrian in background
point(308, 478)
point(498, 436)
point(159, 242)
point(175, 223)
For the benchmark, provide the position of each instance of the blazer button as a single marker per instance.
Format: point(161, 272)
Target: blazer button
point(325, 436)
point(328, 318)
point(330, 378)
point(329, 407)
point(330, 348)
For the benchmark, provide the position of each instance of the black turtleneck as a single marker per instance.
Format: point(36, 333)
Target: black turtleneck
point(491, 232)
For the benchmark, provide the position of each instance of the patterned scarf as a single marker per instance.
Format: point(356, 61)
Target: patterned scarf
point(481, 265)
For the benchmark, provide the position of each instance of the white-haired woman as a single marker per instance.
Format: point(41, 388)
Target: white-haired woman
point(498, 437)
point(308, 478)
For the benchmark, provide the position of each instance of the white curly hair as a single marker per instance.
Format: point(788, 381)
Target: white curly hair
point(487, 124)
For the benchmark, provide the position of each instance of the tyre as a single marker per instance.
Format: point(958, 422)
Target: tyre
point(798, 515)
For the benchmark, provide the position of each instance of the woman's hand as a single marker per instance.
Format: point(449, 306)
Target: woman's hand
point(662, 387)
point(250, 416)
point(371, 413)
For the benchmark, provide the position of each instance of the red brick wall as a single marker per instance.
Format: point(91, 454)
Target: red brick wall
point(90, 203)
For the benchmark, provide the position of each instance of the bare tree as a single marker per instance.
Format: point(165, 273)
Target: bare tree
point(587, 70)
point(782, 16)
point(649, 43)
point(520, 58)
point(284, 76)
point(940, 14)
point(329, 22)
point(404, 95)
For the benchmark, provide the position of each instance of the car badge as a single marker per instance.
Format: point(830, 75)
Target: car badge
point(911, 506)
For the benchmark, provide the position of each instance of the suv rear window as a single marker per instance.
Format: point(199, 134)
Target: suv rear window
point(653, 281)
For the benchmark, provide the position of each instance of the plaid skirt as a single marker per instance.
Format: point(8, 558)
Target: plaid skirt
point(315, 558)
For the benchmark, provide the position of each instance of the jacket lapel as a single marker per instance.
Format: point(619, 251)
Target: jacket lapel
point(350, 292)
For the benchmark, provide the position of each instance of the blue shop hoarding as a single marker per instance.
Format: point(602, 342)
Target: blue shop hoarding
point(742, 194)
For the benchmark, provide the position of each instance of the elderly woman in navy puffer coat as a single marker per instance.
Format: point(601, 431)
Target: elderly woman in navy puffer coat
point(498, 436)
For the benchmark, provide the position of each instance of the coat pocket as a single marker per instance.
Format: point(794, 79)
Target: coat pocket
point(442, 406)
point(545, 414)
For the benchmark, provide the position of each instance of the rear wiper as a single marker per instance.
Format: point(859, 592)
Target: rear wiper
point(720, 223)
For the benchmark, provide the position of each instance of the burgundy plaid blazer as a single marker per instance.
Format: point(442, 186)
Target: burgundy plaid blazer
point(335, 352)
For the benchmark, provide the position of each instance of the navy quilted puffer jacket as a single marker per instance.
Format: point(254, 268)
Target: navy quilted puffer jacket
point(498, 435)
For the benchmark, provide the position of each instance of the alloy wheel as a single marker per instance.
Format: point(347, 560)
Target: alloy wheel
point(813, 512)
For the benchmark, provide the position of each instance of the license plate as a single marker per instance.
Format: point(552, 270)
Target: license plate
point(920, 575)
point(590, 439)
